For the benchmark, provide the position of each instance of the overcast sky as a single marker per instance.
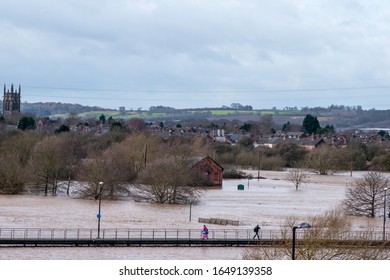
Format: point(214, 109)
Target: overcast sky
point(198, 53)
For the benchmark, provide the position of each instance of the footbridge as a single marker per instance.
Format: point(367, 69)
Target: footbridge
point(172, 237)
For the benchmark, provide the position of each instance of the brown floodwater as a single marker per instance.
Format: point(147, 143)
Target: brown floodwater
point(268, 202)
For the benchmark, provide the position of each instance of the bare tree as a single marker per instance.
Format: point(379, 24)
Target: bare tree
point(15, 154)
point(92, 172)
point(322, 242)
point(136, 125)
point(366, 196)
point(143, 148)
point(21, 144)
point(166, 180)
point(13, 177)
point(297, 177)
point(48, 162)
point(116, 168)
point(323, 160)
point(266, 124)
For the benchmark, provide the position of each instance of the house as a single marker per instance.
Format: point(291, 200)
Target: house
point(217, 135)
point(209, 169)
point(310, 143)
point(306, 143)
point(296, 135)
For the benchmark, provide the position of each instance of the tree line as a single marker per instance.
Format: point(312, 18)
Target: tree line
point(136, 164)
point(44, 161)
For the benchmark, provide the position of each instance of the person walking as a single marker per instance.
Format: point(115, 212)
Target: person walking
point(256, 230)
point(205, 232)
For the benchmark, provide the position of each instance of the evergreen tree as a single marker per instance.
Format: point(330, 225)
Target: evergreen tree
point(102, 118)
point(62, 128)
point(310, 124)
point(26, 123)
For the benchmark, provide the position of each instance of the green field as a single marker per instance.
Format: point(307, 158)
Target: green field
point(145, 114)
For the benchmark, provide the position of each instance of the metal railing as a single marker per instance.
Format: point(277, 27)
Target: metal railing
point(115, 234)
point(161, 234)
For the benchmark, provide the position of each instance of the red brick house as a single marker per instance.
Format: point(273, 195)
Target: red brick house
point(210, 170)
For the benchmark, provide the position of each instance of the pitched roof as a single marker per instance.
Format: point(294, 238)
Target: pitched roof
point(197, 160)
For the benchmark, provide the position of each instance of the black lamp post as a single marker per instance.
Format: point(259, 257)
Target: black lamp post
point(99, 195)
point(190, 201)
point(294, 229)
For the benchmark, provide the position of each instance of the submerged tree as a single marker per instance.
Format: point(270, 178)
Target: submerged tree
point(166, 180)
point(297, 177)
point(116, 168)
point(49, 162)
point(13, 177)
point(324, 160)
point(366, 196)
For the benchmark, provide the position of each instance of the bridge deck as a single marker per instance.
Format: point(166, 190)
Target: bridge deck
point(135, 242)
point(171, 237)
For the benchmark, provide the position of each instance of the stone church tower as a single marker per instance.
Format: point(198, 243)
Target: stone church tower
point(11, 101)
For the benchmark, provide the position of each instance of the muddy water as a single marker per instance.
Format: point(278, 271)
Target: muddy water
point(267, 202)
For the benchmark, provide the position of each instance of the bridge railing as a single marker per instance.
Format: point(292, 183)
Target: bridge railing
point(137, 233)
point(146, 233)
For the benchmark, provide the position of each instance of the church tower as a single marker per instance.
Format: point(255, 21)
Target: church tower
point(11, 101)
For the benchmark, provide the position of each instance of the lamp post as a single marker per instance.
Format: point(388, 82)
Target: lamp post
point(190, 201)
point(294, 229)
point(190, 210)
point(99, 195)
point(384, 214)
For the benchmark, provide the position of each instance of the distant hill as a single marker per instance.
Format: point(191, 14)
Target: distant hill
point(341, 117)
point(53, 108)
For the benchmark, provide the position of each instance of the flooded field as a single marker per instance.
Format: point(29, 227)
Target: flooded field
point(267, 202)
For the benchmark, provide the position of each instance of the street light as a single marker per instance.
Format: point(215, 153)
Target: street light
point(294, 229)
point(190, 210)
point(191, 201)
point(99, 195)
point(384, 214)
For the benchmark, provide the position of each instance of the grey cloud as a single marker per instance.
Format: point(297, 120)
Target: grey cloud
point(220, 44)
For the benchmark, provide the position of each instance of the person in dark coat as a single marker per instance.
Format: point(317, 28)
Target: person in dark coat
point(256, 230)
